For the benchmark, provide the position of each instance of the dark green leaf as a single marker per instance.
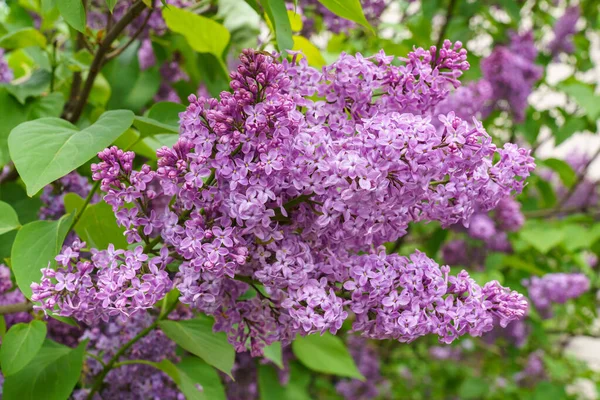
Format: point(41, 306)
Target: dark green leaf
point(48, 148)
point(73, 12)
point(37, 84)
point(270, 387)
point(278, 16)
point(348, 9)
point(21, 343)
point(197, 337)
point(564, 171)
point(149, 127)
point(473, 388)
point(166, 112)
point(202, 373)
point(568, 129)
point(326, 354)
point(542, 238)
point(36, 245)
point(584, 96)
point(186, 384)
point(2, 327)
point(549, 390)
point(51, 375)
point(8, 218)
point(273, 353)
point(98, 225)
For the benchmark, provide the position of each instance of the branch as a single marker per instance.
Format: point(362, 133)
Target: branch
point(15, 308)
point(99, 58)
point(121, 49)
point(85, 204)
point(449, 15)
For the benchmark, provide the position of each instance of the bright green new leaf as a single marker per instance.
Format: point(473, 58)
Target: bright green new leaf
point(186, 384)
point(584, 96)
point(203, 34)
point(149, 127)
point(9, 220)
point(36, 245)
point(197, 337)
point(295, 21)
point(111, 4)
point(21, 38)
point(280, 23)
point(21, 343)
point(564, 171)
point(97, 225)
point(73, 12)
point(542, 238)
point(166, 112)
point(310, 51)
point(49, 148)
point(326, 354)
point(273, 353)
point(51, 375)
point(205, 375)
point(349, 9)
point(37, 84)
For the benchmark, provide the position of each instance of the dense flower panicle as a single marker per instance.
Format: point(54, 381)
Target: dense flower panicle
point(515, 333)
point(146, 56)
point(445, 352)
point(468, 101)
point(283, 180)
point(6, 73)
point(564, 29)
point(53, 206)
point(170, 73)
point(133, 381)
point(367, 361)
point(114, 282)
point(5, 281)
point(512, 72)
point(508, 215)
point(556, 288)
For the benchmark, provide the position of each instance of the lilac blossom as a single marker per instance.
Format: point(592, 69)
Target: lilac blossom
point(52, 197)
point(555, 288)
point(512, 73)
point(281, 183)
point(6, 73)
point(564, 29)
point(312, 9)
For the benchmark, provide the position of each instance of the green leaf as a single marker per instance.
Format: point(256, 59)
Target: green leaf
point(280, 23)
point(542, 238)
point(473, 388)
point(203, 34)
point(326, 354)
point(21, 38)
point(549, 390)
point(48, 148)
point(2, 328)
point(97, 225)
point(205, 375)
point(186, 384)
point(111, 4)
point(518, 263)
point(8, 218)
point(73, 12)
point(584, 96)
point(564, 171)
point(197, 337)
point(568, 129)
point(36, 245)
point(310, 51)
point(270, 387)
point(348, 9)
point(37, 84)
point(512, 8)
point(167, 113)
point(149, 127)
point(51, 375)
point(547, 192)
point(20, 345)
point(273, 353)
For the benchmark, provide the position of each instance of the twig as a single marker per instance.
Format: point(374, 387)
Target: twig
point(551, 212)
point(121, 49)
point(449, 15)
point(85, 204)
point(580, 178)
point(99, 58)
point(15, 308)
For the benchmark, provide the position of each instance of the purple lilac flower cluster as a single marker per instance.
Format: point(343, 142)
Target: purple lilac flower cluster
point(468, 101)
point(312, 9)
point(489, 228)
point(281, 182)
point(6, 73)
point(170, 72)
point(512, 72)
point(556, 288)
point(132, 381)
point(564, 29)
point(114, 282)
point(367, 360)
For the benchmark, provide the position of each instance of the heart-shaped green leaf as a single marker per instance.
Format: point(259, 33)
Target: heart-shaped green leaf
point(21, 343)
point(49, 148)
point(8, 218)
